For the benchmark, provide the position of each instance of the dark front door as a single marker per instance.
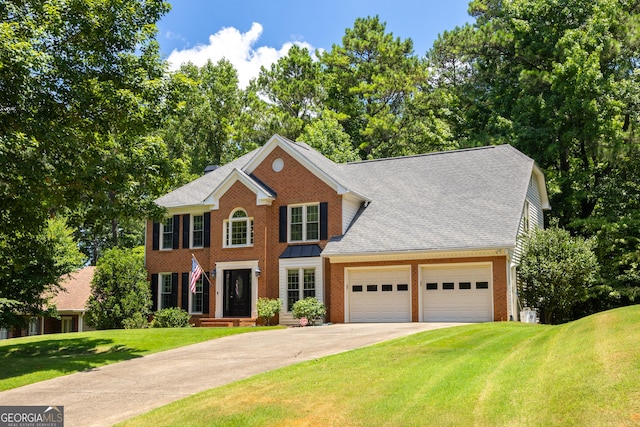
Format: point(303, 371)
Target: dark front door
point(237, 293)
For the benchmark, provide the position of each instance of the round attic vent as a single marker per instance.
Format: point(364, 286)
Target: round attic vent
point(278, 164)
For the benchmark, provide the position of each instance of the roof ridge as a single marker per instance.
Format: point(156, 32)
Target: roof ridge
point(435, 153)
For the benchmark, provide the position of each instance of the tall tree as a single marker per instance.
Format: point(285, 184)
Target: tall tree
point(204, 104)
point(292, 87)
point(368, 79)
point(80, 84)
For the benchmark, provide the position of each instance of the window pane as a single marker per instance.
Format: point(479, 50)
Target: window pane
point(198, 231)
point(309, 283)
point(165, 291)
point(239, 232)
point(293, 288)
point(197, 297)
point(296, 223)
point(313, 223)
point(167, 234)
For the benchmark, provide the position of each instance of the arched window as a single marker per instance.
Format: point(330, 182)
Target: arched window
point(238, 229)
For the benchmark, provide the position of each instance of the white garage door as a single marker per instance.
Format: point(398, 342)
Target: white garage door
point(461, 293)
point(379, 295)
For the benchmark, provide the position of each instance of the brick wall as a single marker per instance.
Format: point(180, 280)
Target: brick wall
point(336, 286)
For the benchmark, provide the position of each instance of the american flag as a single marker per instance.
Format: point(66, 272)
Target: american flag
point(196, 272)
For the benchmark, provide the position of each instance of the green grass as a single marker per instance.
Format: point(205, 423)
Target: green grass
point(28, 360)
point(586, 373)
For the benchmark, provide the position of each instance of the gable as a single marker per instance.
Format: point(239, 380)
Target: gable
point(263, 195)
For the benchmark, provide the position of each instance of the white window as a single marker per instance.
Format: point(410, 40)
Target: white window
point(196, 299)
point(238, 229)
point(301, 283)
point(67, 324)
point(197, 231)
point(166, 288)
point(166, 233)
point(304, 223)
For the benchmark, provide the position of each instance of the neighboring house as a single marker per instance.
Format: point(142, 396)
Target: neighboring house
point(431, 237)
point(71, 306)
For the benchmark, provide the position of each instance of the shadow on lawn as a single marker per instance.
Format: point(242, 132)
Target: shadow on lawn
point(65, 356)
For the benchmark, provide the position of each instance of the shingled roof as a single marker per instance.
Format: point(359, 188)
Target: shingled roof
point(447, 201)
point(455, 200)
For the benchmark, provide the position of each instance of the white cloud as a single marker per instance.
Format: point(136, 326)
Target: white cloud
point(238, 48)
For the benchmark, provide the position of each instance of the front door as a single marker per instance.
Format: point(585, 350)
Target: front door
point(237, 293)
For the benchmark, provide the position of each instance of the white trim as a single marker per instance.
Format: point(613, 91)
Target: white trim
point(159, 297)
point(262, 195)
point(161, 232)
point(226, 231)
point(408, 256)
point(304, 207)
point(542, 187)
point(221, 267)
point(399, 267)
point(191, 223)
point(297, 263)
point(191, 294)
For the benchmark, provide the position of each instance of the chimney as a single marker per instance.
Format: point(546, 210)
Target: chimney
point(210, 168)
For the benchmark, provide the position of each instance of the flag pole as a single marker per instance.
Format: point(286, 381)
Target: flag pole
point(206, 273)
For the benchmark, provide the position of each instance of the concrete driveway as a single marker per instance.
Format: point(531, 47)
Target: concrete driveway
point(114, 393)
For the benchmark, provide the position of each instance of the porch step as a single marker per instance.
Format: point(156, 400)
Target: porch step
point(210, 322)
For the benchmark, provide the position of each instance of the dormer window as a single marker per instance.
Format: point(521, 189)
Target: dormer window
point(238, 229)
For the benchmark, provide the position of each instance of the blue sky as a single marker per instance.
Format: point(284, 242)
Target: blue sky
point(252, 33)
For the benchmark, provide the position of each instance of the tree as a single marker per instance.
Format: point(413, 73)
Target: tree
point(80, 88)
point(326, 135)
point(368, 81)
point(48, 256)
point(119, 290)
point(204, 104)
point(292, 87)
point(557, 272)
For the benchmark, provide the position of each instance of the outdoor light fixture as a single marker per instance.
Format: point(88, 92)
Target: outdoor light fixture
point(258, 272)
point(213, 273)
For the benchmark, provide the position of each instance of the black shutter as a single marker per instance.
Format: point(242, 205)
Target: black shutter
point(174, 289)
point(176, 232)
point(283, 224)
point(205, 295)
point(185, 231)
point(324, 221)
point(154, 292)
point(185, 291)
point(207, 229)
point(156, 236)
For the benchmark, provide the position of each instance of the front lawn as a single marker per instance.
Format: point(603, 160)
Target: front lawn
point(28, 360)
point(584, 373)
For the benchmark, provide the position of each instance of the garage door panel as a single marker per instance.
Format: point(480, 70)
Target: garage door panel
point(457, 294)
point(379, 295)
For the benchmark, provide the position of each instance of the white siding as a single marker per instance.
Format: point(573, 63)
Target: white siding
point(535, 215)
point(286, 318)
point(350, 208)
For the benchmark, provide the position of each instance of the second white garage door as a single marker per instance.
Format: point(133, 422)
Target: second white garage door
point(379, 295)
point(460, 293)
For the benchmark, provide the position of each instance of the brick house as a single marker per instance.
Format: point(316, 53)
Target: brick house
point(431, 237)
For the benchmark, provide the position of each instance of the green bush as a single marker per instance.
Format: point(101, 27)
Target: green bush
point(310, 308)
point(137, 321)
point(267, 308)
point(172, 317)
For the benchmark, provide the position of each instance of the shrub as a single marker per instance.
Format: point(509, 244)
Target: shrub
point(267, 308)
point(137, 321)
point(172, 317)
point(310, 308)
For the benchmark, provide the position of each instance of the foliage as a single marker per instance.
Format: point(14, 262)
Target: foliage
point(557, 271)
point(327, 136)
point(119, 290)
point(310, 308)
point(80, 87)
point(171, 317)
point(137, 321)
point(33, 270)
point(268, 308)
